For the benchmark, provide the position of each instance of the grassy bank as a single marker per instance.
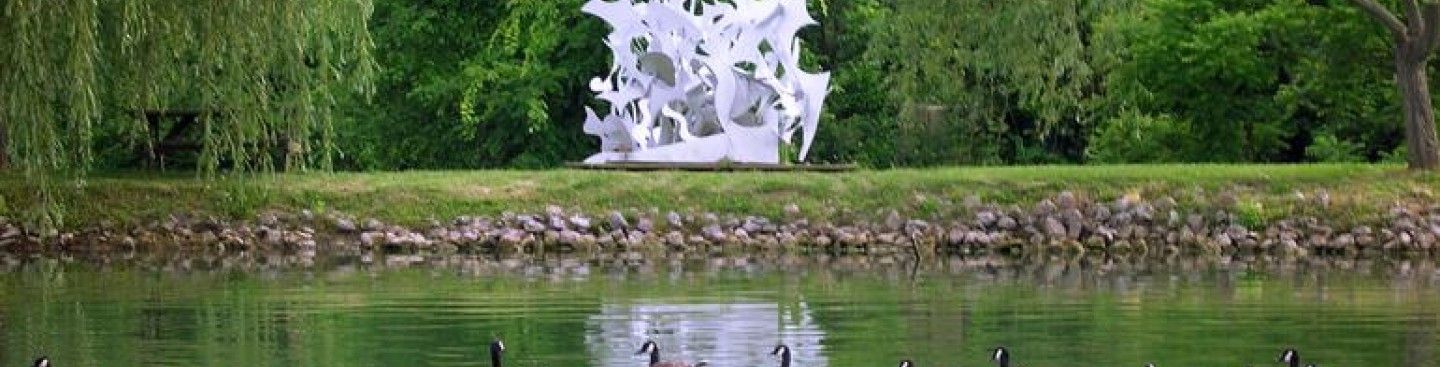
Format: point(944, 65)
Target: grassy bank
point(1260, 192)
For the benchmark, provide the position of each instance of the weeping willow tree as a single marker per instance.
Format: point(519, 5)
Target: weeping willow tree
point(266, 74)
point(1010, 81)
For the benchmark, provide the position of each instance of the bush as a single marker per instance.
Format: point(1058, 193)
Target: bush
point(1134, 137)
point(1399, 155)
point(1327, 148)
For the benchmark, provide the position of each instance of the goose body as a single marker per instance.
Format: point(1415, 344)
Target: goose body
point(497, 348)
point(654, 351)
point(1291, 357)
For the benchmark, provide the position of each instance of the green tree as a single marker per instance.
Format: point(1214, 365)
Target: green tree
point(270, 73)
point(995, 81)
point(1415, 41)
point(414, 121)
point(1245, 80)
point(526, 89)
point(858, 124)
point(1202, 62)
point(478, 84)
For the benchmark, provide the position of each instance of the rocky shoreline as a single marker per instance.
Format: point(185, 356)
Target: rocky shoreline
point(1064, 223)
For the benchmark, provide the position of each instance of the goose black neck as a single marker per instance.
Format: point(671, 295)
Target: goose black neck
point(495, 358)
point(785, 358)
point(1004, 360)
point(654, 355)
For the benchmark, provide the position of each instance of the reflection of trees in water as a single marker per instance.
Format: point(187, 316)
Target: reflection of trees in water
point(4, 342)
point(725, 334)
point(1420, 339)
point(1042, 269)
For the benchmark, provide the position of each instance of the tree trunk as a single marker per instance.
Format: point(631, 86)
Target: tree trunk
point(1416, 38)
point(1420, 140)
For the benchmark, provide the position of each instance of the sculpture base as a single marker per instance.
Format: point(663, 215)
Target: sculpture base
point(712, 166)
point(743, 145)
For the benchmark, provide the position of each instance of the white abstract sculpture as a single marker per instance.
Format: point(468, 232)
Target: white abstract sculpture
point(696, 82)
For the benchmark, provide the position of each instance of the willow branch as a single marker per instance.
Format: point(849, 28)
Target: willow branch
point(1384, 16)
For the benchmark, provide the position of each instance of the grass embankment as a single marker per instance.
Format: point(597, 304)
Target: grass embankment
point(1261, 192)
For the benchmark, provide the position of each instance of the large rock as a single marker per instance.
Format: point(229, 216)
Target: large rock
point(1045, 207)
point(1074, 223)
point(674, 221)
point(1007, 223)
point(986, 218)
point(530, 224)
point(371, 224)
point(345, 226)
point(1066, 200)
point(580, 222)
point(644, 224)
point(617, 221)
point(1054, 229)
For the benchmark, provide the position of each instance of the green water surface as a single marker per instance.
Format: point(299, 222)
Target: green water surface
point(730, 313)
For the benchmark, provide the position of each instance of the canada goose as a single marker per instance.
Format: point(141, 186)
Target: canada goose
point(906, 363)
point(497, 348)
point(1001, 356)
point(1291, 357)
point(42, 362)
point(654, 350)
point(783, 351)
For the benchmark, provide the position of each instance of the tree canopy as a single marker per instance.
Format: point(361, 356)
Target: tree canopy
point(265, 78)
point(468, 84)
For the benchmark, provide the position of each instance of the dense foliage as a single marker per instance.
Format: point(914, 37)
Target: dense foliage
point(1239, 81)
point(477, 84)
point(923, 82)
point(262, 78)
point(466, 84)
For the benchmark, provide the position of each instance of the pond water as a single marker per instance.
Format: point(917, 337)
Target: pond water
point(730, 312)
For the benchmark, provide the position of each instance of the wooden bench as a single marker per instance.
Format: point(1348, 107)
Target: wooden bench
point(168, 136)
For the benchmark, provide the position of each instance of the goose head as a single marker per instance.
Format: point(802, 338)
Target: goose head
point(42, 362)
point(907, 363)
point(782, 351)
point(648, 347)
point(654, 350)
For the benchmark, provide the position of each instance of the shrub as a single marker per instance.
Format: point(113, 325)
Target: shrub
point(1133, 137)
point(1329, 149)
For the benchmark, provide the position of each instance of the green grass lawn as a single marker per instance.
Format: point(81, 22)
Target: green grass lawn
point(1265, 192)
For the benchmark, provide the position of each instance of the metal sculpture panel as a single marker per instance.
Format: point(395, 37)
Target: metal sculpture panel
point(696, 82)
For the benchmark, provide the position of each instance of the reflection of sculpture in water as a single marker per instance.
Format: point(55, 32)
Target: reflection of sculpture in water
point(696, 82)
point(725, 334)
